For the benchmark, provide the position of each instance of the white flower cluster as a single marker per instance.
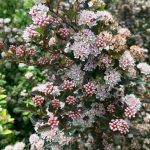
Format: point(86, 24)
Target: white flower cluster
point(144, 68)
point(84, 44)
point(76, 74)
point(49, 135)
point(38, 10)
point(36, 142)
point(91, 18)
point(17, 146)
point(126, 61)
point(132, 102)
point(47, 88)
point(87, 18)
point(112, 77)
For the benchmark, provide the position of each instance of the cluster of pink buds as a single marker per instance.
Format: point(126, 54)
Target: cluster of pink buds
point(20, 51)
point(31, 51)
point(53, 121)
point(89, 88)
point(64, 77)
point(38, 100)
point(48, 89)
point(43, 60)
point(12, 47)
point(71, 100)
point(119, 125)
point(68, 85)
point(111, 108)
point(55, 21)
point(55, 103)
point(69, 62)
point(75, 114)
point(129, 112)
point(42, 21)
point(63, 33)
point(54, 55)
point(100, 42)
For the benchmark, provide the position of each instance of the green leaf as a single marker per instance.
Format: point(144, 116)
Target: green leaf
point(2, 102)
point(1, 129)
point(3, 112)
point(101, 6)
point(6, 132)
point(71, 13)
point(2, 97)
point(26, 113)
point(28, 4)
point(17, 110)
point(22, 66)
point(31, 68)
point(40, 30)
point(10, 119)
point(2, 82)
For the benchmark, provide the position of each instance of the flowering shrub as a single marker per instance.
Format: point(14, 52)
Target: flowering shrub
point(85, 96)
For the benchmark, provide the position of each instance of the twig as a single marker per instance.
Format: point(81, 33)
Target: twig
point(56, 14)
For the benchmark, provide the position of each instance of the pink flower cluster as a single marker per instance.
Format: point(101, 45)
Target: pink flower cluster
point(119, 125)
point(71, 100)
point(53, 121)
point(129, 112)
point(89, 88)
point(55, 103)
point(75, 114)
point(68, 85)
point(41, 21)
point(38, 100)
point(63, 32)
